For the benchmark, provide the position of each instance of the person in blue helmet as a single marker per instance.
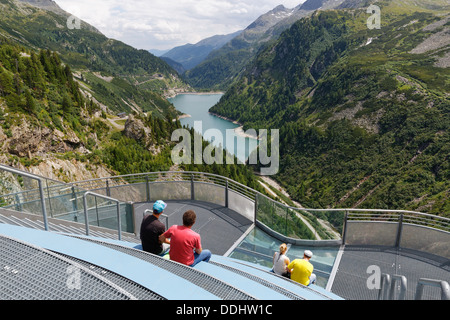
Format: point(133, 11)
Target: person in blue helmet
point(152, 228)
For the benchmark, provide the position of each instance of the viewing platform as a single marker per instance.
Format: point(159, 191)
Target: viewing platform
point(47, 249)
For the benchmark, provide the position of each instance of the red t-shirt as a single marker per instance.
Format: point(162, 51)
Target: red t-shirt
point(183, 241)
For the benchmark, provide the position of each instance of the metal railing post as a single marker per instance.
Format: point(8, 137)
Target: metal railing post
point(147, 189)
point(403, 287)
point(387, 289)
point(108, 190)
point(344, 229)
point(385, 285)
point(86, 217)
point(119, 227)
point(256, 208)
point(226, 194)
point(49, 201)
point(192, 188)
point(44, 208)
point(399, 231)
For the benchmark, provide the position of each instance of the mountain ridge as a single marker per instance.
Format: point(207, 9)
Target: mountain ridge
point(136, 76)
point(224, 65)
point(75, 105)
point(364, 121)
point(190, 55)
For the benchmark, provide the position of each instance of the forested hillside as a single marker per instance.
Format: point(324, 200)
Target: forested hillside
point(117, 75)
point(59, 119)
point(363, 113)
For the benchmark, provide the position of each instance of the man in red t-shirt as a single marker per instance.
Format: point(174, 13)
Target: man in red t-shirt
point(185, 244)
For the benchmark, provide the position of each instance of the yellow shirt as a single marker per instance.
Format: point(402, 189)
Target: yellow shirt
point(301, 271)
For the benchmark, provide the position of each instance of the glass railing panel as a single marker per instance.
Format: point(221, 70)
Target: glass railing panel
point(298, 226)
point(209, 192)
point(241, 204)
point(20, 193)
point(259, 247)
point(267, 213)
point(170, 190)
point(285, 220)
point(327, 224)
point(136, 192)
point(60, 199)
point(372, 228)
point(103, 213)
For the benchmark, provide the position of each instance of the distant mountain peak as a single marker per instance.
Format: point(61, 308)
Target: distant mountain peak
point(320, 4)
point(48, 5)
point(279, 8)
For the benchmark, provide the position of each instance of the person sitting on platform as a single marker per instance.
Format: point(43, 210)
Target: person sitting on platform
point(185, 244)
point(281, 261)
point(152, 228)
point(301, 269)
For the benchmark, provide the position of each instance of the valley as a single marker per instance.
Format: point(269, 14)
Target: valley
point(363, 113)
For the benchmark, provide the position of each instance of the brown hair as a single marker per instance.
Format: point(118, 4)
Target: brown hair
point(283, 248)
point(189, 218)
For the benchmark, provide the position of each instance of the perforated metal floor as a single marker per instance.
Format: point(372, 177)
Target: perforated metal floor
point(32, 273)
point(209, 283)
point(352, 275)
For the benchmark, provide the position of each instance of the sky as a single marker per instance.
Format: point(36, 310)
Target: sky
point(165, 24)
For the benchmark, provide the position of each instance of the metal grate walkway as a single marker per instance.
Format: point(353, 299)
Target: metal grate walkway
point(209, 283)
point(33, 221)
point(351, 278)
point(33, 273)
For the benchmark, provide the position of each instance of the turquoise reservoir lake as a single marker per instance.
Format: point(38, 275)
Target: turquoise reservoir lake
point(197, 107)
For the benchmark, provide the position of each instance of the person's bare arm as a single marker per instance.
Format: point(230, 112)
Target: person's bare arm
point(163, 239)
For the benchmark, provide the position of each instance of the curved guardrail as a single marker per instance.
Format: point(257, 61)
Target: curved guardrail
point(301, 226)
point(291, 224)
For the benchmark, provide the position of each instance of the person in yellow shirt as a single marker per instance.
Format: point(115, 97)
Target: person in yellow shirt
point(302, 270)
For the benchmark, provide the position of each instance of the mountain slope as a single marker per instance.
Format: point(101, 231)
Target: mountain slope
point(190, 55)
point(223, 66)
point(90, 53)
point(51, 120)
point(363, 114)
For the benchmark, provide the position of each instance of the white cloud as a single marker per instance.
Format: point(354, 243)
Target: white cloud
point(164, 24)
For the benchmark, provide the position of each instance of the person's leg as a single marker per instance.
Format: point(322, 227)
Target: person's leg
point(166, 248)
point(312, 279)
point(205, 255)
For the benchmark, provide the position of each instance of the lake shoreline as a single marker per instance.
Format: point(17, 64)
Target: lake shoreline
point(194, 93)
point(239, 130)
point(194, 107)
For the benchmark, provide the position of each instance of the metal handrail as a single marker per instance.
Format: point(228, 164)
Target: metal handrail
point(443, 285)
point(186, 174)
point(387, 289)
point(86, 218)
point(40, 187)
point(251, 193)
point(351, 214)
